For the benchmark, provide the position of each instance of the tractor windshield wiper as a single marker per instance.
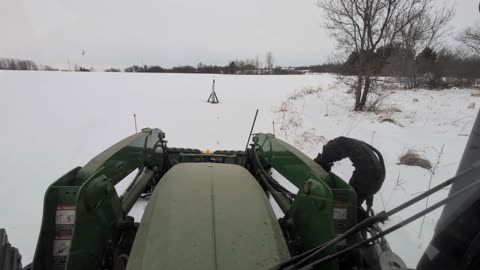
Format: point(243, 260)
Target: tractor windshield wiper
point(306, 260)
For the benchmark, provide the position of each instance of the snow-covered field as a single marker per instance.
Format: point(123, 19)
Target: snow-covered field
point(54, 121)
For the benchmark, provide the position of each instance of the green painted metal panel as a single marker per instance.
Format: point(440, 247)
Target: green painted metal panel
point(98, 219)
point(208, 216)
point(344, 205)
point(88, 197)
point(310, 216)
point(61, 193)
point(289, 161)
point(121, 159)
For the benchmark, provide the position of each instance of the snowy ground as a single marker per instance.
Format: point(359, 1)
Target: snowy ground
point(52, 122)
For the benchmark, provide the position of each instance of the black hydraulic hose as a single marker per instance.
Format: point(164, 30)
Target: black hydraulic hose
point(282, 196)
point(277, 185)
point(168, 163)
point(380, 217)
point(273, 183)
point(369, 174)
point(380, 158)
point(391, 229)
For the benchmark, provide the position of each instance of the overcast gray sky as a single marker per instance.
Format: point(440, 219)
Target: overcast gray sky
point(172, 32)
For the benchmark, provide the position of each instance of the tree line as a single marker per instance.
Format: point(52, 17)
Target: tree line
point(430, 68)
point(232, 68)
point(250, 66)
point(245, 66)
point(17, 64)
point(21, 64)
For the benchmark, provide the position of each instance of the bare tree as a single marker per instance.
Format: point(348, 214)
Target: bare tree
point(360, 27)
point(257, 62)
point(423, 32)
point(470, 38)
point(269, 60)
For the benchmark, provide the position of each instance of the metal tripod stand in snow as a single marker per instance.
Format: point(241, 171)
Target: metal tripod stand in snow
point(213, 96)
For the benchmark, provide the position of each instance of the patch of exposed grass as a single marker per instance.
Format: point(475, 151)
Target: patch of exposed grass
point(304, 92)
point(413, 158)
point(388, 119)
point(309, 137)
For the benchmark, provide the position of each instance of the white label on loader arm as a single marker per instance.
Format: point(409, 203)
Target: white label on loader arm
point(61, 247)
point(339, 213)
point(64, 222)
point(65, 215)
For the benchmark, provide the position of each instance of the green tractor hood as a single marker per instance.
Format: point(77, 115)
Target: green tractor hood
point(208, 216)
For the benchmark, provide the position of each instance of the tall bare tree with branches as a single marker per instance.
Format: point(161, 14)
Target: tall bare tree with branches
point(363, 26)
point(269, 60)
point(423, 32)
point(470, 38)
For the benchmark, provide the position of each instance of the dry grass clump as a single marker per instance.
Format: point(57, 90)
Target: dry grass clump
point(311, 91)
point(392, 109)
point(292, 122)
point(304, 92)
point(289, 106)
point(412, 158)
point(309, 137)
point(290, 118)
point(286, 106)
point(388, 119)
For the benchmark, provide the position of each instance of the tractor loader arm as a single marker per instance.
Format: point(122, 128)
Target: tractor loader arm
point(83, 212)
